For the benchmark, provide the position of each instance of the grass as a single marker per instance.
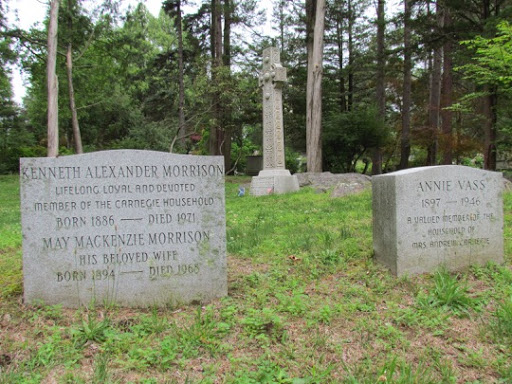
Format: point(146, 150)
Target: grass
point(306, 304)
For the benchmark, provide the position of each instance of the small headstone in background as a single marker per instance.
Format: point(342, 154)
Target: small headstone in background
point(254, 165)
point(445, 215)
point(133, 228)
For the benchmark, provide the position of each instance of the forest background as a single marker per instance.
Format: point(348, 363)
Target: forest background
point(428, 85)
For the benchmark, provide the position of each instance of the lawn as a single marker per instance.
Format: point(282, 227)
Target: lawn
point(306, 304)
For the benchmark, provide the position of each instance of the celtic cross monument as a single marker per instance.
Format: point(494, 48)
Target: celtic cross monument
point(274, 178)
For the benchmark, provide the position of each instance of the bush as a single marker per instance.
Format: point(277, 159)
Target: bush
point(347, 136)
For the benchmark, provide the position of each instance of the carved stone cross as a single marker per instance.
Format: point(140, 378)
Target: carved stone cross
point(271, 81)
point(274, 178)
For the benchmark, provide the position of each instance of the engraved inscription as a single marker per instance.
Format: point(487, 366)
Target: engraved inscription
point(458, 218)
point(133, 227)
point(273, 142)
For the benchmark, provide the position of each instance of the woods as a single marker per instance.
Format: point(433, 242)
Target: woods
point(371, 88)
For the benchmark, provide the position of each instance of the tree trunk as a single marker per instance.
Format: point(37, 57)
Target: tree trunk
point(216, 134)
point(341, 79)
point(490, 103)
point(446, 94)
point(350, 56)
point(314, 90)
point(490, 129)
point(77, 138)
point(226, 61)
point(281, 9)
point(181, 75)
point(52, 82)
point(228, 9)
point(406, 107)
point(380, 87)
point(434, 104)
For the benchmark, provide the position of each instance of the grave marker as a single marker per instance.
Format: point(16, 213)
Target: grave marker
point(134, 228)
point(274, 177)
point(444, 215)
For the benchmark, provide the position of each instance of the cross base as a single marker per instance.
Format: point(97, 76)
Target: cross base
point(271, 181)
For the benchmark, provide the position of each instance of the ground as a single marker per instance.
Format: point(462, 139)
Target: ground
point(306, 304)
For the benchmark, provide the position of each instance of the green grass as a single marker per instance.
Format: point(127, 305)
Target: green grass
point(306, 304)
point(10, 236)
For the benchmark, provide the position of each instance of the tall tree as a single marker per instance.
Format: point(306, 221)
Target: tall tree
point(406, 100)
point(446, 90)
point(351, 18)
point(52, 81)
point(226, 118)
point(173, 7)
point(490, 104)
point(380, 78)
point(315, 15)
point(339, 49)
point(435, 92)
point(77, 137)
point(216, 133)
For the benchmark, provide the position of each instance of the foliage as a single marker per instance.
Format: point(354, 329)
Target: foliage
point(348, 136)
point(502, 323)
point(91, 330)
point(492, 61)
point(448, 293)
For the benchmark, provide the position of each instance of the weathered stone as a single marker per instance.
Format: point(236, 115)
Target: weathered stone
point(341, 184)
point(446, 215)
point(350, 187)
point(133, 228)
point(274, 178)
point(254, 165)
point(316, 179)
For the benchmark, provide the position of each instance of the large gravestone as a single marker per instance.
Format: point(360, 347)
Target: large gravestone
point(133, 228)
point(446, 215)
point(274, 178)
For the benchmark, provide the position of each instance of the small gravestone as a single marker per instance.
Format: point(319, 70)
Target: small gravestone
point(254, 165)
point(274, 178)
point(133, 228)
point(446, 215)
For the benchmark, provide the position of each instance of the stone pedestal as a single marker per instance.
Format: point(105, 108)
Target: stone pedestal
point(274, 181)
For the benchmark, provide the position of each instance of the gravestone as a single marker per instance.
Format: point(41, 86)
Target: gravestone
point(254, 165)
point(444, 215)
point(127, 227)
point(274, 178)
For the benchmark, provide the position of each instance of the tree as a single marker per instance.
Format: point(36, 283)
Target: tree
point(348, 136)
point(174, 9)
point(406, 108)
point(435, 93)
point(380, 78)
point(69, 71)
point(52, 81)
point(315, 10)
point(336, 16)
point(351, 19)
point(446, 92)
point(491, 69)
point(13, 136)
point(492, 60)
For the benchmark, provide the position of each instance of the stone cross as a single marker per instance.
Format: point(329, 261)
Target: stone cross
point(274, 177)
point(271, 81)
